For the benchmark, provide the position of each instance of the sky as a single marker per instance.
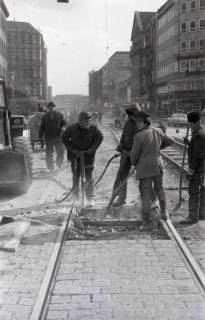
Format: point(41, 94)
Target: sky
point(80, 36)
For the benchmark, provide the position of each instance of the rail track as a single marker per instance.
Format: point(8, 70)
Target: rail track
point(40, 308)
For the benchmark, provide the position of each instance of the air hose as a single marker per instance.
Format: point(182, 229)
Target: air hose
point(66, 194)
point(107, 165)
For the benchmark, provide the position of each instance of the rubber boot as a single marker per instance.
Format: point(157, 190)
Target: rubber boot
point(202, 204)
point(146, 226)
point(164, 214)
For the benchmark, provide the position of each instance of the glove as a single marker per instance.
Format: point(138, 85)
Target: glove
point(89, 151)
point(119, 148)
point(190, 174)
point(125, 153)
point(186, 141)
point(77, 153)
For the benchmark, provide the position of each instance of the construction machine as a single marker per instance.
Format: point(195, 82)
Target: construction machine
point(15, 150)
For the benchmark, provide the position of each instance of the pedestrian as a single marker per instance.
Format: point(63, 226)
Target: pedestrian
point(145, 156)
point(95, 118)
point(196, 161)
point(100, 115)
point(124, 148)
point(82, 138)
point(52, 125)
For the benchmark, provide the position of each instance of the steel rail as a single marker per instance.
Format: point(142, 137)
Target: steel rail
point(191, 262)
point(40, 307)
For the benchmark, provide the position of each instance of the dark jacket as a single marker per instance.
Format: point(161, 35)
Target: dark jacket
point(77, 139)
point(127, 137)
point(196, 150)
point(51, 125)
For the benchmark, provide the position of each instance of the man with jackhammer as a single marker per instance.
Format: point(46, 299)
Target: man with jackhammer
point(52, 125)
point(196, 161)
point(82, 139)
point(124, 148)
point(145, 156)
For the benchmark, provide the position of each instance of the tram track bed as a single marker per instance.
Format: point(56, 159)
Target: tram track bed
point(121, 273)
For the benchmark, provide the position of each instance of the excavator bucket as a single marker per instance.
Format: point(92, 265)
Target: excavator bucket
point(13, 171)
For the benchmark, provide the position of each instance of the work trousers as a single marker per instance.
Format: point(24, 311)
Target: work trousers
point(122, 174)
point(89, 183)
point(146, 186)
point(50, 145)
point(196, 197)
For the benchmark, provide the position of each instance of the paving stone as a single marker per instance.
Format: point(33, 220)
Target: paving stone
point(129, 287)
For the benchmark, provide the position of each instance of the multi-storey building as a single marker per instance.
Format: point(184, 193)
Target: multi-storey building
point(142, 55)
point(3, 40)
point(50, 94)
point(180, 56)
point(116, 70)
point(95, 88)
point(27, 60)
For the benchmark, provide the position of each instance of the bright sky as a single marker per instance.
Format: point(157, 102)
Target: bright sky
point(77, 34)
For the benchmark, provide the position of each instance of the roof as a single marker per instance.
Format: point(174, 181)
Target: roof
point(4, 8)
point(19, 26)
point(141, 19)
point(119, 52)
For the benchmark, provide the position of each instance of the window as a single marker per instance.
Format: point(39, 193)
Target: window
point(201, 64)
point(192, 45)
point(193, 6)
point(183, 46)
point(192, 65)
point(202, 43)
point(192, 25)
point(183, 7)
point(183, 26)
point(202, 24)
point(202, 4)
point(183, 65)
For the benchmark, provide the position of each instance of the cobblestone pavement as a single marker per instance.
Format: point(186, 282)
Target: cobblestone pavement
point(124, 280)
point(21, 272)
point(20, 278)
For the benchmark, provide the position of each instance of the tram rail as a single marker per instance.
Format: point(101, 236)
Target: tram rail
point(40, 308)
point(169, 227)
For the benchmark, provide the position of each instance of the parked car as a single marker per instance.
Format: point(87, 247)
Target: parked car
point(177, 119)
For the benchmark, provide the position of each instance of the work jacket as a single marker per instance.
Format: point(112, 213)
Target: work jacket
point(127, 137)
point(77, 139)
point(145, 153)
point(51, 125)
point(196, 150)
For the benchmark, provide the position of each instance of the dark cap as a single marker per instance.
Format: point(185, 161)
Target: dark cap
point(83, 115)
point(132, 109)
point(141, 115)
point(193, 116)
point(51, 103)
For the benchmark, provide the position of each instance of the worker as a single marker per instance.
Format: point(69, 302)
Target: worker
point(145, 156)
point(124, 148)
point(82, 138)
point(52, 125)
point(196, 161)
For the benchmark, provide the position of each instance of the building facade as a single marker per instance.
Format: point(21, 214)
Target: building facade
point(180, 56)
point(142, 56)
point(27, 61)
point(95, 88)
point(116, 70)
point(3, 40)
